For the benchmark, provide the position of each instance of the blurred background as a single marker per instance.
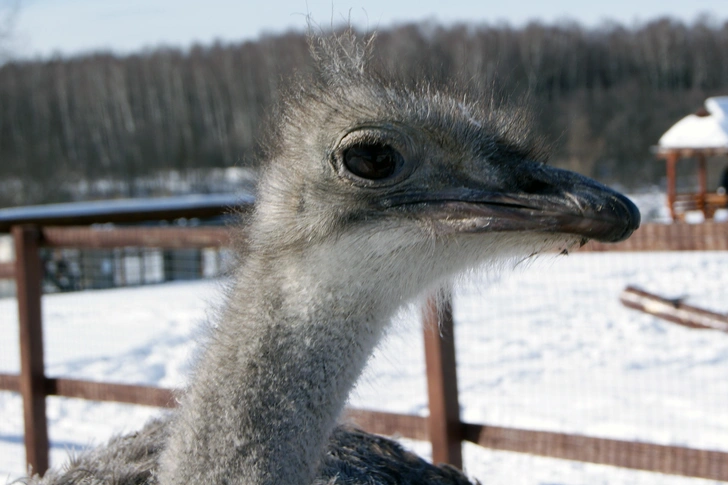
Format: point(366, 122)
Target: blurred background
point(147, 98)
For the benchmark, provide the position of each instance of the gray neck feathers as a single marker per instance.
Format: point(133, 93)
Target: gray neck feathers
point(276, 373)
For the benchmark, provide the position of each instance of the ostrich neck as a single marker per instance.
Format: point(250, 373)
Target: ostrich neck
point(272, 381)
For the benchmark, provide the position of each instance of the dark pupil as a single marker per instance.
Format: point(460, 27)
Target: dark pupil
point(371, 161)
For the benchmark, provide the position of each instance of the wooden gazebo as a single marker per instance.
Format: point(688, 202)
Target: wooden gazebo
point(698, 137)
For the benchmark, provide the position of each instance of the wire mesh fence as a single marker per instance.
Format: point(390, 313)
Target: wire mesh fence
point(87, 269)
point(552, 348)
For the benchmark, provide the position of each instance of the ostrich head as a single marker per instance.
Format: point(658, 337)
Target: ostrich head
point(408, 186)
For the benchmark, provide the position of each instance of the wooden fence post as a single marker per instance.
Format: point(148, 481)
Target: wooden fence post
point(671, 161)
point(702, 186)
point(29, 280)
point(442, 387)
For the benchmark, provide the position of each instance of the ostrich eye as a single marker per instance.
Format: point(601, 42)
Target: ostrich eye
point(372, 162)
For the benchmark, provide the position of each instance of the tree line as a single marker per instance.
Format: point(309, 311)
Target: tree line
point(600, 97)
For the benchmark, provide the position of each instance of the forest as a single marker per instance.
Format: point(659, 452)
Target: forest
point(104, 125)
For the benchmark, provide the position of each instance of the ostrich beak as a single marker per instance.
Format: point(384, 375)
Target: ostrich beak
point(542, 199)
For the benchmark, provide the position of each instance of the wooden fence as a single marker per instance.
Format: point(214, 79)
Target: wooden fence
point(443, 427)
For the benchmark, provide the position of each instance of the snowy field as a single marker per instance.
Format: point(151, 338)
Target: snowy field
point(548, 347)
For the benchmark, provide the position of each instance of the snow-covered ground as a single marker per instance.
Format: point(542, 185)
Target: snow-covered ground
point(547, 347)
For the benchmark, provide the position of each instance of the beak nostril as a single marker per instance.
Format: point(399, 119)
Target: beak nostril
point(537, 186)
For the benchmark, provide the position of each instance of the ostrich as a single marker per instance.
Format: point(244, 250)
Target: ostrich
point(374, 193)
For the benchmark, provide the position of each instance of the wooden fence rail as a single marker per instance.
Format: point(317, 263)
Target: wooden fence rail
point(443, 427)
point(673, 310)
point(708, 236)
point(144, 237)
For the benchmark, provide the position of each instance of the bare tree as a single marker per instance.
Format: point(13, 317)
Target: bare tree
point(9, 10)
point(601, 97)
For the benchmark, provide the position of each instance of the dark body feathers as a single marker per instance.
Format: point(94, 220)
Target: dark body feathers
point(353, 457)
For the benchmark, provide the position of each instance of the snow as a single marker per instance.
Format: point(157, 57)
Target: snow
point(120, 206)
point(547, 347)
point(695, 131)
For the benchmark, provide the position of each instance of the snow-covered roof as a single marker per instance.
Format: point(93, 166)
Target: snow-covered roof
point(122, 210)
point(696, 131)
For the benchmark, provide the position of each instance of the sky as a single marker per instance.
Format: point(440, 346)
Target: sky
point(43, 28)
